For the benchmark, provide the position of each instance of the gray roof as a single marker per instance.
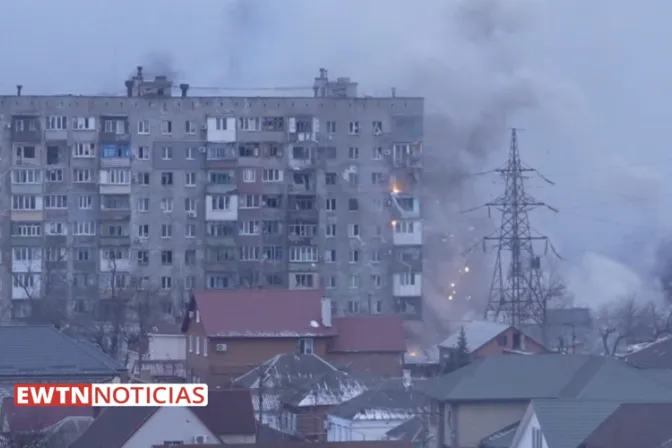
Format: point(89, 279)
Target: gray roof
point(411, 430)
point(113, 427)
point(477, 332)
point(381, 403)
point(45, 351)
point(507, 377)
point(502, 438)
point(567, 423)
point(284, 370)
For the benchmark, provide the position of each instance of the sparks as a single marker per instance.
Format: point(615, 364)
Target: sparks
point(450, 297)
point(466, 269)
point(395, 189)
point(452, 285)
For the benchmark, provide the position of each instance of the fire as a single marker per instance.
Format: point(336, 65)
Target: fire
point(395, 189)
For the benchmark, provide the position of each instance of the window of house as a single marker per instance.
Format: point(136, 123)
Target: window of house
point(502, 340)
point(353, 128)
point(167, 153)
point(166, 127)
point(143, 127)
point(143, 152)
point(353, 205)
point(189, 127)
point(190, 179)
point(537, 438)
point(306, 346)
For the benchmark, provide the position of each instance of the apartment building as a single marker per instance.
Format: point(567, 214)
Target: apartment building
point(176, 192)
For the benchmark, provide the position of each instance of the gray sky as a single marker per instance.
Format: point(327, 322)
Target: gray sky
point(585, 79)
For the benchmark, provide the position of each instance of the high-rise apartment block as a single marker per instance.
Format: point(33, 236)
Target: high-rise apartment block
point(176, 192)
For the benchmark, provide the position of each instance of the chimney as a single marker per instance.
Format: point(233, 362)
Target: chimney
point(129, 88)
point(19, 87)
point(139, 75)
point(184, 88)
point(326, 312)
point(323, 73)
point(394, 92)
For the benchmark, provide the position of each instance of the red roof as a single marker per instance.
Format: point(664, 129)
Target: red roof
point(262, 313)
point(21, 419)
point(369, 334)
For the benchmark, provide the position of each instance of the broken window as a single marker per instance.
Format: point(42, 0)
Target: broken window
point(330, 178)
point(270, 201)
point(353, 204)
point(222, 177)
point(271, 227)
point(304, 203)
point(302, 180)
point(304, 126)
point(52, 155)
point(273, 124)
point(248, 150)
point(406, 204)
point(300, 153)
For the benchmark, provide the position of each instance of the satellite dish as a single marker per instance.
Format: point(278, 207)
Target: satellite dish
point(314, 324)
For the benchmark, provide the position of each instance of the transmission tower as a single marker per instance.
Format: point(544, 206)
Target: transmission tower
point(517, 295)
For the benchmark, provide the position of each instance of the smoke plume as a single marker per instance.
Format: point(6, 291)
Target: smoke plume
point(463, 56)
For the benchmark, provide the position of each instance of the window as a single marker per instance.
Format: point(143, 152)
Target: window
point(375, 256)
point(166, 257)
point(143, 153)
point(85, 202)
point(26, 254)
point(304, 280)
point(26, 229)
point(306, 346)
point(354, 256)
point(377, 127)
point(25, 152)
point(353, 204)
point(220, 229)
point(142, 257)
point(143, 205)
point(190, 257)
point(143, 127)
point(303, 230)
point(190, 205)
point(189, 153)
point(24, 280)
point(303, 254)
point(330, 230)
point(55, 228)
point(249, 253)
point(353, 179)
point(82, 254)
point(84, 124)
point(273, 253)
point(353, 230)
point(56, 123)
point(407, 279)
point(26, 176)
point(166, 127)
point(166, 230)
point(118, 177)
point(331, 282)
point(376, 178)
point(218, 282)
point(353, 128)
point(377, 281)
point(166, 178)
point(115, 126)
point(249, 175)
point(330, 178)
point(331, 127)
point(144, 178)
point(190, 231)
point(189, 127)
point(353, 282)
point(537, 438)
point(84, 228)
point(166, 282)
point(220, 124)
point(81, 175)
point(330, 256)
point(190, 179)
point(353, 306)
point(272, 175)
point(143, 230)
point(84, 150)
point(330, 204)
point(249, 124)
point(403, 226)
point(377, 153)
point(221, 202)
point(353, 153)
point(167, 153)
point(248, 228)
point(115, 254)
point(167, 205)
point(24, 202)
point(54, 175)
point(116, 152)
point(249, 201)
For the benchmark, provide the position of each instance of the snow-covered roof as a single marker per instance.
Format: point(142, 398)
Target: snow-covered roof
point(477, 332)
point(285, 369)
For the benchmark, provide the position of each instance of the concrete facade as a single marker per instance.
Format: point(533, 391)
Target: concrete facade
point(174, 193)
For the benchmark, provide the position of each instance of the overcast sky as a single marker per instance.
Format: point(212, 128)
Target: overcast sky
point(587, 80)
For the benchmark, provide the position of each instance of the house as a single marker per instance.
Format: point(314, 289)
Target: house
point(640, 425)
point(230, 332)
point(560, 423)
point(228, 418)
point(423, 363)
point(494, 392)
point(486, 338)
point(372, 414)
point(567, 330)
point(373, 344)
point(32, 426)
point(655, 355)
point(41, 353)
point(294, 392)
point(415, 430)
point(162, 357)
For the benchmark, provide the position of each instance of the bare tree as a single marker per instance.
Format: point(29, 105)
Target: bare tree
point(44, 282)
